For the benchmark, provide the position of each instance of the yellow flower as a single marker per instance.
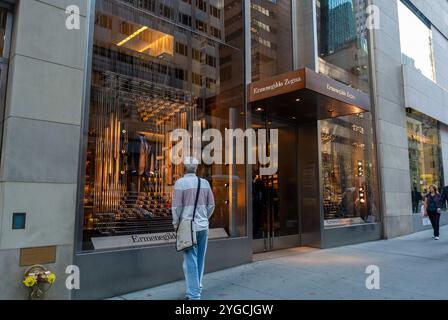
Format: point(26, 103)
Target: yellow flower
point(29, 281)
point(51, 278)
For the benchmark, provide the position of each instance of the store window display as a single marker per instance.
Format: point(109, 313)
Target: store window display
point(350, 192)
point(350, 188)
point(151, 76)
point(425, 156)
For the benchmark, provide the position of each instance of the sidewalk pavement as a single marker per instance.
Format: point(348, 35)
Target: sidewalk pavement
point(411, 267)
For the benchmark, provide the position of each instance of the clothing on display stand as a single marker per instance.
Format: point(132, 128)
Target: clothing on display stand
point(133, 176)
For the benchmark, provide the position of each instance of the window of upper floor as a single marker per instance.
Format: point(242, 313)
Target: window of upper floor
point(416, 40)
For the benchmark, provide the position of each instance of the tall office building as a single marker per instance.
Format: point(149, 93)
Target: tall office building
point(338, 25)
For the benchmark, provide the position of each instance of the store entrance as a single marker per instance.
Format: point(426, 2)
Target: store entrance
point(288, 206)
point(275, 199)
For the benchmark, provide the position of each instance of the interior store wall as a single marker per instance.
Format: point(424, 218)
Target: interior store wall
point(39, 165)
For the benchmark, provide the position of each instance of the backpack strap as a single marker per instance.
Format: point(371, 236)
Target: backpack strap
point(197, 197)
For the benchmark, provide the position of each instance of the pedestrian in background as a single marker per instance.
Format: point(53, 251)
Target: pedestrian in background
point(433, 206)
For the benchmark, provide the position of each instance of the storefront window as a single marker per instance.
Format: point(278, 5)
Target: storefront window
point(350, 191)
point(343, 41)
point(271, 36)
point(414, 30)
point(157, 68)
point(425, 159)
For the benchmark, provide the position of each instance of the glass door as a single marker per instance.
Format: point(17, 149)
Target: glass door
point(275, 197)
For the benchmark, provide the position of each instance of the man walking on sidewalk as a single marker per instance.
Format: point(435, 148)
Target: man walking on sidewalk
point(184, 199)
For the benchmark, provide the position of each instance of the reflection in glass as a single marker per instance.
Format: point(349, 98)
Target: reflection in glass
point(271, 36)
point(349, 174)
point(425, 158)
point(151, 76)
point(343, 41)
point(3, 19)
point(414, 31)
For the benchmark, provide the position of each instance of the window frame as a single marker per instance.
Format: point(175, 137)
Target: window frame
point(79, 242)
point(426, 152)
point(425, 21)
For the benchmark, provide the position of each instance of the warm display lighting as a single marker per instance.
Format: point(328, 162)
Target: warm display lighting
point(132, 36)
point(162, 45)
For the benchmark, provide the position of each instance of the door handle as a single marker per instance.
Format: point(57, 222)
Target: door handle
point(265, 243)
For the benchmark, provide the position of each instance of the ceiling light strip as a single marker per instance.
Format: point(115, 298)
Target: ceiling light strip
point(136, 33)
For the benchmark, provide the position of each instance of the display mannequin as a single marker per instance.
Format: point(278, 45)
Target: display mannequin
point(144, 156)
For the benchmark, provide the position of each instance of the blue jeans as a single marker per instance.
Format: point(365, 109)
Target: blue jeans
point(194, 260)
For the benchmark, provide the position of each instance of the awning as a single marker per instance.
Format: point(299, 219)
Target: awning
point(308, 95)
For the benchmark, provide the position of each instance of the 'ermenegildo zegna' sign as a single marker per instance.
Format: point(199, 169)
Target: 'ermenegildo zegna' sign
point(137, 240)
point(277, 85)
point(307, 79)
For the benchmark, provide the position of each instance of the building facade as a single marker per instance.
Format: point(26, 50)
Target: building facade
point(356, 96)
